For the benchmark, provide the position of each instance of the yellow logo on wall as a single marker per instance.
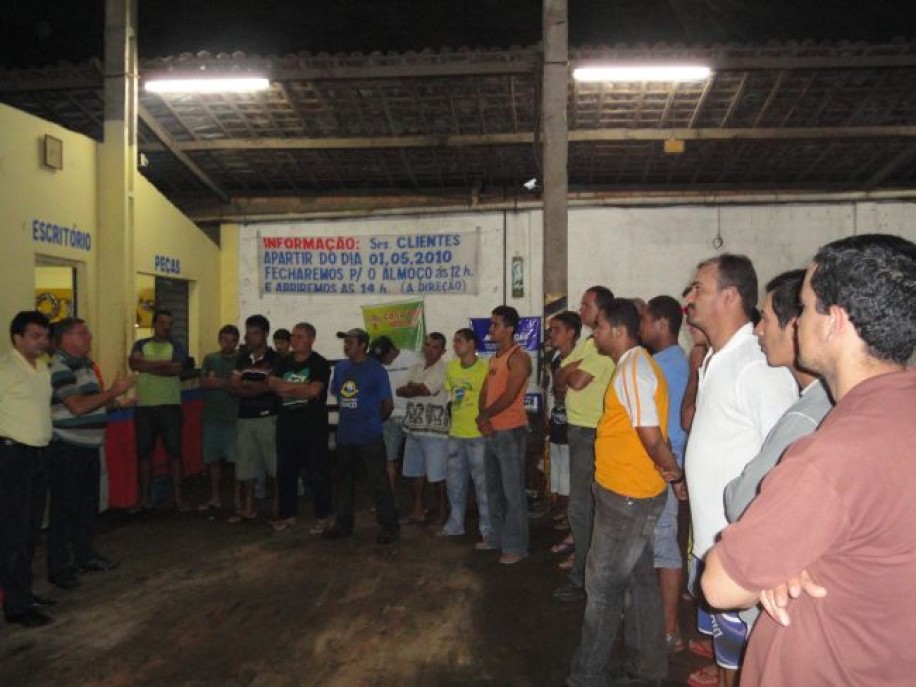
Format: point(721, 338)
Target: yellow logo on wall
point(146, 305)
point(55, 304)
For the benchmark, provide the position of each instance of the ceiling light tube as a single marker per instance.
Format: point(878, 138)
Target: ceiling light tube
point(208, 85)
point(645, 72)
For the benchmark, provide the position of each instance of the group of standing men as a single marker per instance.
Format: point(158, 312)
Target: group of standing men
point(835, 512)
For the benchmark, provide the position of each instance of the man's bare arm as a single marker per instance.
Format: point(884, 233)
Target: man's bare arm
point(80, 404)
point(294, 390)
point(519, 371)
point(720, 589)
point(660, 452)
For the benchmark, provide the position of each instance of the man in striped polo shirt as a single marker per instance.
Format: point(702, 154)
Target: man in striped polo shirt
point(78, 406)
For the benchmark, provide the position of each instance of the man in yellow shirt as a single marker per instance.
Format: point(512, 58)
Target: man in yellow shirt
point(583, 378)
point(633, 462)
point(25, 432)
point(464, 378)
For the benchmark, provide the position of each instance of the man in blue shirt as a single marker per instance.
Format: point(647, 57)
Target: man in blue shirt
point(363, 394)
point(659, 328)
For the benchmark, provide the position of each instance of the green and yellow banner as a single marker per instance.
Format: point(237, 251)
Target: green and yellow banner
point(404, 323)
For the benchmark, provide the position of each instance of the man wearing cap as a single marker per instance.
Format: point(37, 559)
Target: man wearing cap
point(363, 394)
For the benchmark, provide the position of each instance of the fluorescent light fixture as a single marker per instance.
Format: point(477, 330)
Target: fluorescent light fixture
point(210, 85)
point(665, 73)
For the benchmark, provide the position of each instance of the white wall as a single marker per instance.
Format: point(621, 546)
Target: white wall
point(651, 251)
point(446, 313)
point(635, 251)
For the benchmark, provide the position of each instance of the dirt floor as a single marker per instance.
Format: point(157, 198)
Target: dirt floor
point(198, 601)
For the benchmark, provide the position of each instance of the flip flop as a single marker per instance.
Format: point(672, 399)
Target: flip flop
point(563, 547)
point(699, 647)
point(238, 517)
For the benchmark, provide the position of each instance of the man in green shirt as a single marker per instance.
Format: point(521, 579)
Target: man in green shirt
point(221, 411)
point(159, 360)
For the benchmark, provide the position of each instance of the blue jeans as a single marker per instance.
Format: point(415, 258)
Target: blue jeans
point(504, 460)
point(581, 510)
point(620, 561)
point(465, 459)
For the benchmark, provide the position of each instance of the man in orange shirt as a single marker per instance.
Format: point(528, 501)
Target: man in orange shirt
point(632, 463)
point(504, 423)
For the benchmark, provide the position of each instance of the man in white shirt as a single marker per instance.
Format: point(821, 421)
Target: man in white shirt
point(397, 363)
point(739, 400)
point(426, 425)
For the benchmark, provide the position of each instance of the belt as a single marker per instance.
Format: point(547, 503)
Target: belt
point(6, 441)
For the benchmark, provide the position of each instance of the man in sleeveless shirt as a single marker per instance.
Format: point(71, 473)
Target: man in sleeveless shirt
point(504, 423)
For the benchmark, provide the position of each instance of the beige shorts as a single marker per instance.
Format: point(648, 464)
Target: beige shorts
point(257, 447)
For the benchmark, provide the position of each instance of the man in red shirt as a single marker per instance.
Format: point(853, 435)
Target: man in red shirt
point(835, 517)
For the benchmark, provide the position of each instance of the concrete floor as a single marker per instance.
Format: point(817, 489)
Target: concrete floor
point(198, 601)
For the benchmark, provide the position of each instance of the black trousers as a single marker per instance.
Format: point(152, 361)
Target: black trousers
point(371, 457)
point(73, 485)
point(23, 492)
point(300, 451)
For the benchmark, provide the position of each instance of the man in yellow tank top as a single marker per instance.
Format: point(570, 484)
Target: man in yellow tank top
point(632, 463)
point(504, 423)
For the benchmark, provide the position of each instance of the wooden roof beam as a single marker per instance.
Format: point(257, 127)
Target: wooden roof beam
point(496, 139)
point(174, 148)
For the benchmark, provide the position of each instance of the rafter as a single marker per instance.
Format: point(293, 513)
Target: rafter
point(173, 147)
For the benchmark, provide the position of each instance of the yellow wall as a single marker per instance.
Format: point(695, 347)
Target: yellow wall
point(31, 192)
point(69, 198)
point(161, 230)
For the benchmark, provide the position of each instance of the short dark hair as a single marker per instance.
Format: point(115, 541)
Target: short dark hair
point(258, 322)
point(737, 271)
point(467, 334)
point(229, 329)
point(161, 311)
point(307, 327)
point(873, 278)
point(622, 312)
point(24, 318)
point(667, 308)
point(784, 289)
point(508, 315)
point(381, 347)
point(63, 326)
point(570, 320)
point(440, 337)
point(283, 334)
point(603, 295)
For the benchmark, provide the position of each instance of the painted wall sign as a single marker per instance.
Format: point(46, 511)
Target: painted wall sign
point(166, 264)
point(440, 263)
point(57, 235)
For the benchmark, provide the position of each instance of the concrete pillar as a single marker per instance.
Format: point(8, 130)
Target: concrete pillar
point(555, 152)
point(117, 169)
point(229, 274)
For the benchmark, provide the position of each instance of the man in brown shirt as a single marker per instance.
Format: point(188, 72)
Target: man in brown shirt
point(835, 517)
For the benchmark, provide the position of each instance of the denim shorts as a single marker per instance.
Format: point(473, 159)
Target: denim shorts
point(426, 457)
point(394, 437)
point(667, 551)
point(219, 443)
